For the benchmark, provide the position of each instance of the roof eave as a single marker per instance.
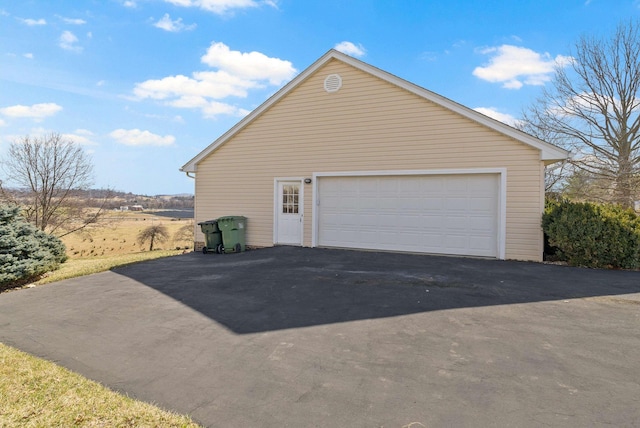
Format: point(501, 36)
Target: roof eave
point(549, 152)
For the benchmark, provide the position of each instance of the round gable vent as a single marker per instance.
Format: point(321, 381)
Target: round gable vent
point(332, 83)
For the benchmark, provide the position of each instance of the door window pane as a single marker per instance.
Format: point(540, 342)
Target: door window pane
point(290, 199)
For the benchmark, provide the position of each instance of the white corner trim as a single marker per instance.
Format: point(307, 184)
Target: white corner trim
point(502, 194)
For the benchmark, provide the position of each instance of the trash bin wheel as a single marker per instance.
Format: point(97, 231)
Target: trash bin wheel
point(219, 249)
point(238, 248)
point(204, 250)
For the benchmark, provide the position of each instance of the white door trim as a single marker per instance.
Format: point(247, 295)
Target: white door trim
point(276, 204)
point(502, 194)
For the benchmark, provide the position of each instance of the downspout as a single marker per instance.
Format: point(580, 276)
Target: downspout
point(194, 211)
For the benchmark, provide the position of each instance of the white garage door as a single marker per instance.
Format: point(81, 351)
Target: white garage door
point(445, 214)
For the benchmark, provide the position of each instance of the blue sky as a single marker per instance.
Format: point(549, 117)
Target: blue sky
point(144, 85)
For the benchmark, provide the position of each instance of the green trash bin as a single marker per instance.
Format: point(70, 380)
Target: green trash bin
point(212, 236)
point(233, 230)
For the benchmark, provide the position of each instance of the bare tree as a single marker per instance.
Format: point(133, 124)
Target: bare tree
point(46, 174)
point(555, 174)
point(593, 109)
point(152, 234)
point(185, 233)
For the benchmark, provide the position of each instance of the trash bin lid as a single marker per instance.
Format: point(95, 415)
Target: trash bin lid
point(232, 218)
point(208, 222)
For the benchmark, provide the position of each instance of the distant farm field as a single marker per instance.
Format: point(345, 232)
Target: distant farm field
point(113, 241)
point(117, 234)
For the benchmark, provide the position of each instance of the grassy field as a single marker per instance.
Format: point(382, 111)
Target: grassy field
point(113, 242)
point(37, 393)
point(116, 234)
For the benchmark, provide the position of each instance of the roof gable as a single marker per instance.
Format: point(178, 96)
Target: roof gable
point(548, 152)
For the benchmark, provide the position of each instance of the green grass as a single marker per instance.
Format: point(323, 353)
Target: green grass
point(79, 267)
point(38, 393)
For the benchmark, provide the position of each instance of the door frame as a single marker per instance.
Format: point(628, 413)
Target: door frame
point(276, 205)
point(502, 195)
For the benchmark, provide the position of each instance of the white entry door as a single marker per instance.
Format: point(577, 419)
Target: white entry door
point(289, 211)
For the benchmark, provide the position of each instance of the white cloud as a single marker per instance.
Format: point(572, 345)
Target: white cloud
point(68, 41)
point(101, 83)
point(248, 65)
point(129, 3)
point(209, 108)
point(210, 84)
point(81, 136)
point(72, 21)
point(493, 113)
point(237, 73)
point(32, 22)
point(28, 55)
point(221, 7)
point(429, 56)
point(136, 137)
point(350, 49)
point(177, 118)
point(3, 123)
point(515, 66)
point(165, 23)
point(35, 111)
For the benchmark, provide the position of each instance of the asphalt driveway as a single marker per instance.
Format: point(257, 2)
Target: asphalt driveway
point(305, 337)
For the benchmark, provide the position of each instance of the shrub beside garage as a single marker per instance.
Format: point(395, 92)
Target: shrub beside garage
point(592, 235)
point(25, 251)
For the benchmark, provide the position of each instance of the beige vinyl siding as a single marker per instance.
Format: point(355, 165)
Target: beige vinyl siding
point(368, 125)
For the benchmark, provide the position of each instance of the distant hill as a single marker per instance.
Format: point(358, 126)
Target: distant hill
point(117, 199)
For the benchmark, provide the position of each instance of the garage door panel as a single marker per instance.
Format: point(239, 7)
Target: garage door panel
point(368, 237)
point(431, 223)
point(479, 243)
point(452, 214)
point(411, 222)
point(480, 224)
point(460, 204)
point(456, 185)
point(484, 204)
point(481, 184)
point(368, 202)
point(433, 186)
point(369, 221)
point(434, 204)
point(409, 186)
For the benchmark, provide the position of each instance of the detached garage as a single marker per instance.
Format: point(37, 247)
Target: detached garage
point(349, 156)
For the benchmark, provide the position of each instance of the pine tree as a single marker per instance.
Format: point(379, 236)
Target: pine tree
point(25, 251)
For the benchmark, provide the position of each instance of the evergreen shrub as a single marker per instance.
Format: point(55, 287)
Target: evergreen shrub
point(25, 251)
point(592, 235)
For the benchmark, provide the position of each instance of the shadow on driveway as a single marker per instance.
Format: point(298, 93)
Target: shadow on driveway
point(288, 287)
